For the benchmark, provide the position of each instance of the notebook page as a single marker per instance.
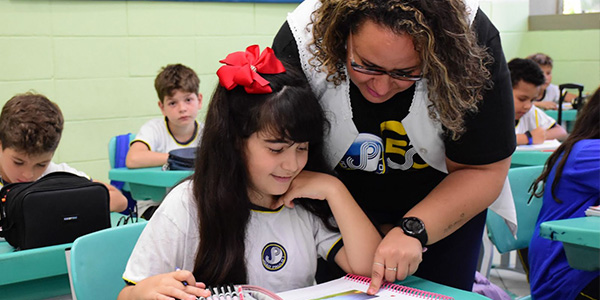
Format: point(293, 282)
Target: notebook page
point(354, 288)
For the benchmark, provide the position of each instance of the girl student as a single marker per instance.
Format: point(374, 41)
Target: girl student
point(569, 184)
point(235, 221)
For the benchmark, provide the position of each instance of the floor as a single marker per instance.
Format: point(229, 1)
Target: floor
point(507, 273)
point(513, 282)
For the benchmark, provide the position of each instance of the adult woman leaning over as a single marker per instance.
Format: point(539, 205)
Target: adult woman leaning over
point(420, 103)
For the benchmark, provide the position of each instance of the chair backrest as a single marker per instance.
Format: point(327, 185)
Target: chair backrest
point(98, 261)
point(520, 180)
point(113, 144)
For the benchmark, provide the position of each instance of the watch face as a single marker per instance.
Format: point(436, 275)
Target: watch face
point(413, 225)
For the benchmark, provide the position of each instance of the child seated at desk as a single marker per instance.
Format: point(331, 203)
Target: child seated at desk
point(179, 101)
point(234, 221)
point(532, 125)
point(30, 130)
point(571, 184)
point(549, 93)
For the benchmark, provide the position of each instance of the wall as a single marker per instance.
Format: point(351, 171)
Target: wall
point(98, 59)
point(576, 53)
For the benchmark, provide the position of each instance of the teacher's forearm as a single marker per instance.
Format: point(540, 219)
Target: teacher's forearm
point(464, 193)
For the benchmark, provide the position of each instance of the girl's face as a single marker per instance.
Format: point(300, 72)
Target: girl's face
point(272, 165)
point(377, 47)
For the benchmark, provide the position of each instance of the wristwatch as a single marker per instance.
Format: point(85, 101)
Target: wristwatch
point(414, 227)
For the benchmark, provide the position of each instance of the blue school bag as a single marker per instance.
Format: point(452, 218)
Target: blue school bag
point(121, 149)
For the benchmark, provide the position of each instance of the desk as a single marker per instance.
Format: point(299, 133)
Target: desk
point(148, 183)
point(38, 273)
point(529, 158)
point(580, 238)
point(567, 114)
point(426, 285)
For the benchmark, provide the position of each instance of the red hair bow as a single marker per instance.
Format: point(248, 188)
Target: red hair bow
point(242, 68)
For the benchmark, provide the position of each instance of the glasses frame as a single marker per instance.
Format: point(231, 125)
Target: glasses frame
point(398, 75)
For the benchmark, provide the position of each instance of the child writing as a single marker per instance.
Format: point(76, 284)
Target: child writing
point(571, 184)
point(549, 93)
point(533, 126)
point(234, 221)
point(30, 130)
point(179, 101)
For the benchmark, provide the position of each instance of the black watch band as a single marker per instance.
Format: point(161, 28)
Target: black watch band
point(414, 227)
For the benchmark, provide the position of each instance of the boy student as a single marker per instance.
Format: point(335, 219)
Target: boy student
point(533, 126)
point(30, 130)
point(179, 101)
point(549, 93)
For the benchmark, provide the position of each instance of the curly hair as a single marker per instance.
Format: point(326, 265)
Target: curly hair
point(455, 66)
point(31, 123)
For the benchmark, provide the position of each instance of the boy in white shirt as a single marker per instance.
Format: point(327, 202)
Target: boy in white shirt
point(532, 125)
point(30, 130)
point(549, 93)
point(179, 101)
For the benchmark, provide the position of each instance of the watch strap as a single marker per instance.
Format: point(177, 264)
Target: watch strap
point(422, 237)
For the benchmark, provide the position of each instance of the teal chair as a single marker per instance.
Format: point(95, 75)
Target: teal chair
point(527, 212)
point(98, 260)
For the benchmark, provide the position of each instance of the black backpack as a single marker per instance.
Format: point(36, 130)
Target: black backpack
point(181, 159)
point(53, 210)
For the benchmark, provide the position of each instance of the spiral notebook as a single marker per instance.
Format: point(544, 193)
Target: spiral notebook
point(354, 287)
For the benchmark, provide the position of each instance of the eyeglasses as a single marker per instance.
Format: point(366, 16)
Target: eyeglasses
point(399, 75)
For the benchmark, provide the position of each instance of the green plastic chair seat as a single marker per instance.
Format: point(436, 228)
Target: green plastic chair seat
point(99, 259)
point(520, 180)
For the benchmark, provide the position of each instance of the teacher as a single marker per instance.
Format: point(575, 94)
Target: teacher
point(419, 99)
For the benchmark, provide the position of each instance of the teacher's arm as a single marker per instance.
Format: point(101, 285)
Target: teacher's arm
point(464, 193)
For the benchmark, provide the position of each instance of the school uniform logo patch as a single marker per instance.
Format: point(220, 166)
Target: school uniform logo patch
point(274, 257)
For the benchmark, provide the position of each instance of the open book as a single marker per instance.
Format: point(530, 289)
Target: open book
point(354, 287)
point(548, 145)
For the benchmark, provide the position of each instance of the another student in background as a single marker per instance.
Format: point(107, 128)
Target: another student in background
point(30, 130)
point(533, 126)
point(234, 221)
point(179, 101)
point(571, 184)
point(549, 93)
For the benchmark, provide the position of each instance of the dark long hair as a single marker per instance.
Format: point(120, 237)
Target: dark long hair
point(586, 127)
point(221, 181)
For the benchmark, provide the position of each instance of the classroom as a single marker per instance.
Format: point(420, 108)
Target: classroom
point(98, 59)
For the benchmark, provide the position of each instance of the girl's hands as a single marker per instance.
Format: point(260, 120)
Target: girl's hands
point(167, 286)
point(396, 257)
point(311, 185)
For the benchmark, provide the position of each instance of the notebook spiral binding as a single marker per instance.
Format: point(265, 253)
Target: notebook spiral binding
point(239, 292)
point(399, 288)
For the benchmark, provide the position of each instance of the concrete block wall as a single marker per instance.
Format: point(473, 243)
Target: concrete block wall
point(98, 59)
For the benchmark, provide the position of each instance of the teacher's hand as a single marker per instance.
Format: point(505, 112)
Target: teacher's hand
point(397, 257)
